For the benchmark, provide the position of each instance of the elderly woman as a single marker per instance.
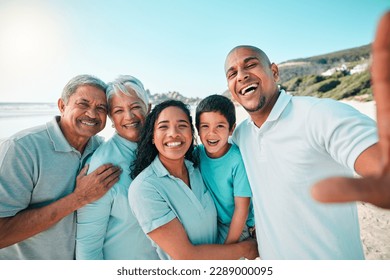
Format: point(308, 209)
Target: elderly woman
point(106, 228)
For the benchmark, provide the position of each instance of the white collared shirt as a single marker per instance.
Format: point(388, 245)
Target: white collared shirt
point(304, 139)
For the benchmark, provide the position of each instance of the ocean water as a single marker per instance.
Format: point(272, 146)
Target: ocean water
point(15, 117)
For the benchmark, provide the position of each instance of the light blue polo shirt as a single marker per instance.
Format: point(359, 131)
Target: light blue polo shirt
point(303, 140)
point(106, 228)
point(226, 179)
point(37, 167)
point(156, 198)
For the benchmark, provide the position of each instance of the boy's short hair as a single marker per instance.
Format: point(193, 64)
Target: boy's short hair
point(216, 103)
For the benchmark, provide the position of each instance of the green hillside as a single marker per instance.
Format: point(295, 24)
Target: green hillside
point(337, 75)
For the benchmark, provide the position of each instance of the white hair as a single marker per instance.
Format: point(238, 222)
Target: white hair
point(122, 84)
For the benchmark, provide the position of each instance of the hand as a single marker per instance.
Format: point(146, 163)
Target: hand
point(94, 185)
point(252, 251)
point(373, 189)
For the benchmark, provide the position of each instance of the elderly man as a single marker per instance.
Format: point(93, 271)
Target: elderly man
point(41, 182)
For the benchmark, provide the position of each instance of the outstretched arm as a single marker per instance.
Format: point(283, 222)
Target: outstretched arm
point(374, 189)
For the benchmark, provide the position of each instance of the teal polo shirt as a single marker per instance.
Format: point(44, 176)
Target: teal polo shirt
point(37, 167)
point(106, 228)
point(156, 198)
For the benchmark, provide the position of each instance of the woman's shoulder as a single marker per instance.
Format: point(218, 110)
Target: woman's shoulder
point(146, 177)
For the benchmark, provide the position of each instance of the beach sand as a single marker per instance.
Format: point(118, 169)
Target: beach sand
point(374, 221)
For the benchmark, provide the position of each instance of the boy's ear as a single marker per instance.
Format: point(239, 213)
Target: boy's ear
point(231, 130)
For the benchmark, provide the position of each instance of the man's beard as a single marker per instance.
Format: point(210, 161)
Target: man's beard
point(260, 105)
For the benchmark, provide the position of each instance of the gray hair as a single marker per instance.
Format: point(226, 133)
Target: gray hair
point(81, 80)
point(123, 84)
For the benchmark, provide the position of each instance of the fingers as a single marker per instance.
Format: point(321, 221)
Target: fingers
point(111, 176)
point(380, 72)
point(105, 168)
point(84, 171)
point(94, 185)
point(337, 189)
point(108, 174)
point(375, 190)
point(381, 49)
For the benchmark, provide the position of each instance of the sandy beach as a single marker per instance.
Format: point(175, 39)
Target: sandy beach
point(374, 222)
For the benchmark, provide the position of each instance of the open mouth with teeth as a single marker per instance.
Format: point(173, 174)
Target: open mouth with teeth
point(173, 144)
point(212, 142)
point(131, 125)
point(89, 122)
point(249, 89)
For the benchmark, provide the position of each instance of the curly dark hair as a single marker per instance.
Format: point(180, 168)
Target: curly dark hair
point(146, 151)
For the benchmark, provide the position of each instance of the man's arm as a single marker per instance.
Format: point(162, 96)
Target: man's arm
point(374, 188)
point(30, 222)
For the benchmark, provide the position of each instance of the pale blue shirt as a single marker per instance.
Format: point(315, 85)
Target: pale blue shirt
point(106, 228)
point(156, 198)
point(37, 167)
point(226, 179)
point(303, 140)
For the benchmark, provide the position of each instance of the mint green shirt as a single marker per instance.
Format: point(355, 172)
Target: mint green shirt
point(37, 167)
point(106, 228)
point(156, 198)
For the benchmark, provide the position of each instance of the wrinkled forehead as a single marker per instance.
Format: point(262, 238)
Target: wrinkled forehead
point(90, 93)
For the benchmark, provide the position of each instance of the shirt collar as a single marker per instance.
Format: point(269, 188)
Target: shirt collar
point(57, 138)
point(60, 143)
point(278, 108)
point(160, 170)
point(124, 142)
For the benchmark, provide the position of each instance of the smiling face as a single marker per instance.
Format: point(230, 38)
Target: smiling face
point(172, 134)
point(84, 115)
point(214, 133)
point(127, 113)
point(252, 79)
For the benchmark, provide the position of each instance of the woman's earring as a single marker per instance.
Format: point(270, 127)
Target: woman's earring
point(113, 126)
point(153, 141)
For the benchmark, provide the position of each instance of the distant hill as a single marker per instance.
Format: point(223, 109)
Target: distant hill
point(337, 75)
point(160, 97)
point(317, 64)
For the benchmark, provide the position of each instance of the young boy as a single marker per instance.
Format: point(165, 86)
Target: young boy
point(223, 170)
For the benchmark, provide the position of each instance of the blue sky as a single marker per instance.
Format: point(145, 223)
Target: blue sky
point(169, 45)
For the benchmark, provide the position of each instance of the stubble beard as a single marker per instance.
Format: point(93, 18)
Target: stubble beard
point(259, 106)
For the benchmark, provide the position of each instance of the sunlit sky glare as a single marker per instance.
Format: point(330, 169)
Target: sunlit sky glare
point(170, 45)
